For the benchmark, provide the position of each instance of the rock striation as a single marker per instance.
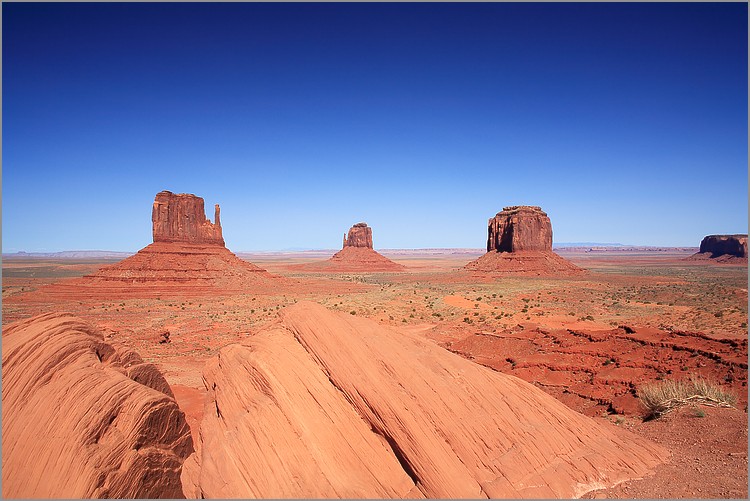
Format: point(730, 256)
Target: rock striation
point(83, 418)
point(723, 248)
point(357, 255)
point(324, 404)
point(519, 241)
point(182, 218)
point(359, 235)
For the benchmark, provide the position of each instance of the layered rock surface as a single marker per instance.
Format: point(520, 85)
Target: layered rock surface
point(83, 418)
point(329, 405)
point(519, 241)
point(723, 248)
point(519, 228)
point(357, 255)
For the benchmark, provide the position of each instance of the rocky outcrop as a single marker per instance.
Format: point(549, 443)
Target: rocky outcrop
point(187, 256)
point(181, 218)
point(357, 255)
point(360, 235)
point(83, 418)
point(327, 405)
point(723, 248)
point(519, 228)
point(519, 241)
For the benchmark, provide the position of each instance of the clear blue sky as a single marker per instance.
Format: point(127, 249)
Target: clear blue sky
point(624, 122)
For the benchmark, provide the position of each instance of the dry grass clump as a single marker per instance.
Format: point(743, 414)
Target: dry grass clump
point(664, 396)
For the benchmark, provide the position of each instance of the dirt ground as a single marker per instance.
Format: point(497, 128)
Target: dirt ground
point(591, 341)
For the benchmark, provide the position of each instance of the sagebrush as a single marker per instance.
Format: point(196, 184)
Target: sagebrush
point(663, 396)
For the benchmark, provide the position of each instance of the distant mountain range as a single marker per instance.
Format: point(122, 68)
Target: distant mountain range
point(101, 254)
point(83, 254)
point(590, 244)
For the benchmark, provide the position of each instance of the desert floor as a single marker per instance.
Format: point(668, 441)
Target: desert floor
point(591, 341)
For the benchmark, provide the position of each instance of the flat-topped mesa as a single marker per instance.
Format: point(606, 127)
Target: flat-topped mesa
point(519, 228)
point(720, 245)
point(360, 235)
point(519, 242)
point(182, 218)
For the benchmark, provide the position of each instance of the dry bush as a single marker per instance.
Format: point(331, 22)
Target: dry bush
point(664, 396)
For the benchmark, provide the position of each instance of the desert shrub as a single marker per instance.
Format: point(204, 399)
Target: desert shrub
point(663, 396)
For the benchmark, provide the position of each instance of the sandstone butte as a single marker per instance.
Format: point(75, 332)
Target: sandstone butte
point(723, 249)
point(85, 419)
point(326, 404)
point(356, 255)
point(187, 255)
point(519, 241)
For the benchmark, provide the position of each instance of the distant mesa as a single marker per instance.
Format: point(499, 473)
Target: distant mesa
point(519, 241)
point(83, 418)
point(357, 255)
point(327, 405)
point(723, 249)
point(188, 256)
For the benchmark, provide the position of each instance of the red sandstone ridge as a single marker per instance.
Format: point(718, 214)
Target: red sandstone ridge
point(723, 248)
point(519, 241)
point(188, 256)
point(357, 255)
point(327, 405)
point(181, 218)
point(85, 419)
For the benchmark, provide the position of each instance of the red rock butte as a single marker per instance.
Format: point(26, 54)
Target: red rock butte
point(357, 255)
point(359, 235)
point(83, 418)
point(519, 241)
point(181, 218)
point(723, 249)
point(187, 256)
point(327, 405)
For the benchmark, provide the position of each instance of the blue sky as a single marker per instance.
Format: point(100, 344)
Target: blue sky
point(625, 122)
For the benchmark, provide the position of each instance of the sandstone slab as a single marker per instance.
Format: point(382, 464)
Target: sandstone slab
point(83, 418)
point(329, 405)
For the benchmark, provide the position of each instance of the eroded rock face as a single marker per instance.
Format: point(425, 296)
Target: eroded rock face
point(519, 228)
point(83, 418)
point(519, 242)
point(181, 218)
point(720, 245)
point(188, 256)
point(360, 235)
point(328, 405)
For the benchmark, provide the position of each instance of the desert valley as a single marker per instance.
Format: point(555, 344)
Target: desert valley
point(512, 371)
